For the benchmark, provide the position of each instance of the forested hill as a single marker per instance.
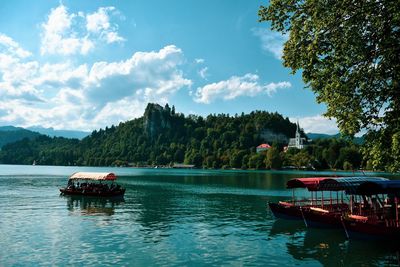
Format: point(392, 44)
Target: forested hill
point(10, 134)
point(160, 137)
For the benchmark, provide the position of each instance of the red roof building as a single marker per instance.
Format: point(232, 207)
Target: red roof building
point(262, 147)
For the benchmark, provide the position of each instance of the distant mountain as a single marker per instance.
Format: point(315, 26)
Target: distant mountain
point(10, 134)
point(315, 136)
point(9, 128)
point(59, 133)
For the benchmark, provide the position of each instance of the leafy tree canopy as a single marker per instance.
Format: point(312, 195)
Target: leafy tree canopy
point(161, 137)
point(348, 52)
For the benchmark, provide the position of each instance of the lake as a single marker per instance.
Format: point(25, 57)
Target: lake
point(167, 218)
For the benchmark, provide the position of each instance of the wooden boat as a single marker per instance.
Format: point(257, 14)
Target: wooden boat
point(320, 210)
point(293, 209)
point(91, 184)
point(378, 217)
point(329, 215)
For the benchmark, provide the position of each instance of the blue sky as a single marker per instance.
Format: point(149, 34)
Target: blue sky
point(84, 65)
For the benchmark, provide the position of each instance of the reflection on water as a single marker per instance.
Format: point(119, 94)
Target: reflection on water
point(377, 253)
point(92, 205)
point(167, 218)
point(286, 227)
point(327, 247)
point(330, 247)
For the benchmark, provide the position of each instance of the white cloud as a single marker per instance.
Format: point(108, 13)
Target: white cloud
point(64, 95)
point(68, 96)
point(15, 74)
point(61, 75)
point(99, 23)
point(117, 111)
point(112, 37)
point(63, 32)
point(58, 36)
point(199, 60)
point(86, 46)
point(271, 42)
point(149, 73)
point(203, 72)
point(13, 47)
point(247, 85)
point(317, 124)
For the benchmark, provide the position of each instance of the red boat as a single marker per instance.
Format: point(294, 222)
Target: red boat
point(91, 184)
point(293, 209)
point(320, 210)
point(378, 217)
point(329, 215)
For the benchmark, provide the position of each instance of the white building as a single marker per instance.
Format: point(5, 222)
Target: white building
point(298, 141)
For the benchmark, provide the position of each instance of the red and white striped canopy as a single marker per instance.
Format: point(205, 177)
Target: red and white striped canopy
point(109, 176)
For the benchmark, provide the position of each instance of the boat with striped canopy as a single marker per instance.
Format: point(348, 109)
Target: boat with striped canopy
point(93, 184)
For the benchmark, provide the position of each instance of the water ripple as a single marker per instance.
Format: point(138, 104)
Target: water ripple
point(167, 218)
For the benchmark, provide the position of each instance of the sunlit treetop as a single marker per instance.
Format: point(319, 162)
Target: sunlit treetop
point(348, 52)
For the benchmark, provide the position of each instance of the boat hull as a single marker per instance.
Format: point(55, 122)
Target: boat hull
point(371, 231)
point(285, 211)
point(119, 193)
point(319, 219)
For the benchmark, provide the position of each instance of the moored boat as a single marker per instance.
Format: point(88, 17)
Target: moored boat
point(294, 208)
point(326, 206)
point(378, 216)
point(93, 184)
point(330, 216)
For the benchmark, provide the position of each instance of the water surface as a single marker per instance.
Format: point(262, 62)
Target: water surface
point(167, 218)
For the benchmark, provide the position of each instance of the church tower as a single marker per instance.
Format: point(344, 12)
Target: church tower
point(299, 143)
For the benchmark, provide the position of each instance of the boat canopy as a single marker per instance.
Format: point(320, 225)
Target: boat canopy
point(379, 187)
point(99, 176)
point(310, 183)
point(347, 184)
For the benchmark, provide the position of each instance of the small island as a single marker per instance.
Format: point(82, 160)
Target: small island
point(164, 138)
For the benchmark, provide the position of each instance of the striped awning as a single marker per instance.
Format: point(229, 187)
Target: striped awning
point(109, 176)
point(379, 187)
point(311, 183)
point(348, 184)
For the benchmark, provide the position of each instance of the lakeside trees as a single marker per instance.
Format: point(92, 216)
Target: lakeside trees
point(163, 137)
point(348, 53)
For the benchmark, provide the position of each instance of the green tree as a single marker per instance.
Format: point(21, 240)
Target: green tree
point(158, 138)
point(256, 161)
point(245, 162)
point(273, 159)
point(330, 155)
point(351, 156)
point(179, 155)
point(348, 52)
point(209, 162)
point(347, 166)
point(236, 158)
point(302, 159)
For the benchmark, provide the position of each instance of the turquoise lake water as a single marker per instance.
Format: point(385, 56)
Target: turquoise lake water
point(167, 218)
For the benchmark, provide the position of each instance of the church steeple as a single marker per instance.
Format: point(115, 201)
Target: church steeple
point(297, 136)
point(297, 141)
